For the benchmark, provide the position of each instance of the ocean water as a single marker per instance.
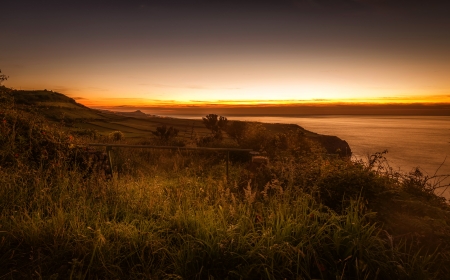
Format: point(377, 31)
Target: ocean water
point(411, 141)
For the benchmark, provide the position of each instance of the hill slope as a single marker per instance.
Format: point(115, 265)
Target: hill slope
point(59, 107)
point(55, 106)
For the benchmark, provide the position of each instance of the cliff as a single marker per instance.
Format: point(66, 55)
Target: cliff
point(334, 145)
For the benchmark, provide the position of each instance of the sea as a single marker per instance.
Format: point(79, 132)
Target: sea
point(411, 141)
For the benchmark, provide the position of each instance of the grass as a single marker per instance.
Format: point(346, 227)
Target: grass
point(191, 227)
point(173, 215)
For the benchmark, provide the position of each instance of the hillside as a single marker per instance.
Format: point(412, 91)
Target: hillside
point(58, 107)
point(55, 106)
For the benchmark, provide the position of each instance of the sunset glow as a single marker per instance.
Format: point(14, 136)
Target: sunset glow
point(277, 53)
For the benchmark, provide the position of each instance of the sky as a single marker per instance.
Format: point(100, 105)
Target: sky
point(283, 56)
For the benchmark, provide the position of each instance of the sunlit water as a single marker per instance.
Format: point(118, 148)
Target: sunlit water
point(411, 141)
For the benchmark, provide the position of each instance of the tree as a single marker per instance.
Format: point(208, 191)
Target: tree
point(3, 77)
point(165, 133)
point(216, 124)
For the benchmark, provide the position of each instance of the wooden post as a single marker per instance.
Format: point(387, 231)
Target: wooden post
point(228, 159)
point(108, 152)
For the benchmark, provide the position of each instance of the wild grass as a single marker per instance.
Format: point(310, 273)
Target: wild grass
point(179, 224)
point(173, 215)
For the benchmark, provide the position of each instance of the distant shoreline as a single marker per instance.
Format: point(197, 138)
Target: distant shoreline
point(292, 111)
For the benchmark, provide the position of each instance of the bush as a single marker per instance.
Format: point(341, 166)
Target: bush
point(216, 124)
point(165, 134)
point(116, 136)
point(236, 130)
point(343, 180)
point(88, 133)
point(256, 137)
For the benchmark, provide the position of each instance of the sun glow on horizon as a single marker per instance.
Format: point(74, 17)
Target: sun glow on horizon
point(146, 102)
point(228, 56)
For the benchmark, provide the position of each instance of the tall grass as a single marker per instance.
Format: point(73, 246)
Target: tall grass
point(175, 224)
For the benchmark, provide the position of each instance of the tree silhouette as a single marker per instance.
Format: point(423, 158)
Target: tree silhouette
point(165, 133)
point(3, 77)
point(117, 135)
point(216, 124)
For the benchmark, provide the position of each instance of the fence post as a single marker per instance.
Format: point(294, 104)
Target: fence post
point(228, 159)
point(108, 152)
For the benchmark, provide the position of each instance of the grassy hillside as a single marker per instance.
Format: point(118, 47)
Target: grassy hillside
point(54, 105)
point(60, 108)
point(173, 215)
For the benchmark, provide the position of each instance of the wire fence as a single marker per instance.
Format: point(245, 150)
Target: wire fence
point(225, 150)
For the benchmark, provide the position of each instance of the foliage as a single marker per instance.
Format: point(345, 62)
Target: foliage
point(116, 135)
point(236, 130)
point(164, 133)
point(3, 77)
point(216, 124)
point(342, 180)
point(256, 137)
point(89, 133)
point(290, 143)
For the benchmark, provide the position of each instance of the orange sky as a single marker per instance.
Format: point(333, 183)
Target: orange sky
point(232, 53)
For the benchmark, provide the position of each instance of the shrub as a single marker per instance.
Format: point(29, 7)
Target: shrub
point(116, 135)
point(236, 130)
point(89, 133)
point(3, 77)
point(256, 137)
point(343, 180)
point(216, 124)
point(164, 133)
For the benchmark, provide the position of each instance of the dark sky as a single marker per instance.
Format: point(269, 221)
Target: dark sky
point(140, 52)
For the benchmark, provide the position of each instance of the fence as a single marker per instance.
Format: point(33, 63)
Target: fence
point(110, 146)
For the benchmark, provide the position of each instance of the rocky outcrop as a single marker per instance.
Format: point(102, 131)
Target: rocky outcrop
point(135, 114)
point(334, 145)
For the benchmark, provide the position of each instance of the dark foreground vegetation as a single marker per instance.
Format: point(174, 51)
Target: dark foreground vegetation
point(307, 214)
